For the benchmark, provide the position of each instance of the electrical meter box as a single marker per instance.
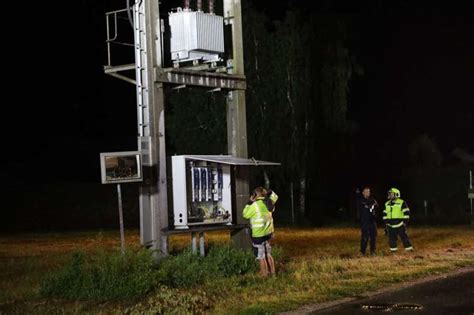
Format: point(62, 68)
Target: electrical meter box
point(121, 167)
point(201, 192)
point(203, 188)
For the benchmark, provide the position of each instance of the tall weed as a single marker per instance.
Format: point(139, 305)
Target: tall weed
point(186, 269)
point(103, 276)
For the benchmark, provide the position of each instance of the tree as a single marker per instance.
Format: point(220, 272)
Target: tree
point(424, 152)
point(298, 73)
point(196, 122)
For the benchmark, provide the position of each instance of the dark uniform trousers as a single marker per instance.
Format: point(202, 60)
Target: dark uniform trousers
point(393, 233)
point(369, 231)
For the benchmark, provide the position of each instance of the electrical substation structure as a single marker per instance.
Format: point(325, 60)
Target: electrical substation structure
point(209, 192)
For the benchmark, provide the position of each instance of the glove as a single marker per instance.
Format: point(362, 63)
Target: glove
point(251, 199)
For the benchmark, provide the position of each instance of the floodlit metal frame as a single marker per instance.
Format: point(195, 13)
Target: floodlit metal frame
point(200, 78)
point(193, 76)
point(149, 80)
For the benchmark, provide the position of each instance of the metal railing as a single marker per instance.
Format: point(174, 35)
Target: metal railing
point(112, 26)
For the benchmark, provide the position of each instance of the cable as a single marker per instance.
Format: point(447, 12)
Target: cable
point(130, 19)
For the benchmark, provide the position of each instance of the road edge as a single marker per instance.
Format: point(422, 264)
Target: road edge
point(310, 308)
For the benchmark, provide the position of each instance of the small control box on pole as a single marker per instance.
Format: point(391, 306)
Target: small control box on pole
point(117, 168)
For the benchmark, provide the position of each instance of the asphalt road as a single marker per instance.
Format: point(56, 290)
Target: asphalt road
point(451, 296)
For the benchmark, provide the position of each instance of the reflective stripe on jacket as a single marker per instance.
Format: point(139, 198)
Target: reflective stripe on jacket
point(261, 220)
point(273, 197)
point(396, 212)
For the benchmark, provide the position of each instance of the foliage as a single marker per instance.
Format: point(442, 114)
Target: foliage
point(298, 72)
point(424, 152)
point(170, 301)
point(196, 122)
point(187, 269)
point(314, 270)
point(445, 192)
point(103, 276)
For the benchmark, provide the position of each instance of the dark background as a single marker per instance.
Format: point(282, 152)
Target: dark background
point(60, 111)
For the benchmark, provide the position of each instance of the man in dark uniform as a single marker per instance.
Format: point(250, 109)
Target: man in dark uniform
point(366, 209)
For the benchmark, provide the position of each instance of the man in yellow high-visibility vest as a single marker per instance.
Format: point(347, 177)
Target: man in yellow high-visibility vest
point(396, 216)
point(259, 211)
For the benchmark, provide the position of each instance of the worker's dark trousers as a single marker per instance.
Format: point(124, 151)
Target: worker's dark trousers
point(368, 231)
point(392, 237)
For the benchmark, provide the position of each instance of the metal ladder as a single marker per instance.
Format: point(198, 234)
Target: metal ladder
point(141, 68)
point(148, 235)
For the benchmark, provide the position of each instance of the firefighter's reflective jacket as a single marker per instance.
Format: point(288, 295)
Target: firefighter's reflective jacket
point(396, 213)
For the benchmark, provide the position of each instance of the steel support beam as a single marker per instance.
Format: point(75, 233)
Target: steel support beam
point(200, 78)
point(114, 69)
point(123, 78)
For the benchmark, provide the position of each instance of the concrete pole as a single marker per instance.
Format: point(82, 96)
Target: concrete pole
point(237, 122)
point(153, 191)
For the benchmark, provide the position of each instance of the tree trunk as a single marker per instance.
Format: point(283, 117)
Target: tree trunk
point(302, 196)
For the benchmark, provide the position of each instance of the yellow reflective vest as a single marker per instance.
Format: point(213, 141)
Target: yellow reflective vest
point(261, 220)
point(396, 212)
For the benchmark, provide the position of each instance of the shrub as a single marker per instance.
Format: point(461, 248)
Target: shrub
point(182, 270)
point(187, 269)
point(103, 276)
point(226, 261)
point(106, 275)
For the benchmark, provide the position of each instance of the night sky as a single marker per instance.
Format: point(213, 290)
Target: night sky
point(419, 81)
point(62, 110)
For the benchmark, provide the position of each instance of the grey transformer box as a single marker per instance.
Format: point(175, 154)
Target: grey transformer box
point(196, 35)
point(202, 188)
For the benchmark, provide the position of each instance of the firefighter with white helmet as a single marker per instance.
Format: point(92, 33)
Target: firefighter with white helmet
point(396, 216)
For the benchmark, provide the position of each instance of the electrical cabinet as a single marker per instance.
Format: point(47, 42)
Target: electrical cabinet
point(203, 188)
point(201, 192)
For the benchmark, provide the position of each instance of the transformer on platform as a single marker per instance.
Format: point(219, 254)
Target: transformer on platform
point(196, 35)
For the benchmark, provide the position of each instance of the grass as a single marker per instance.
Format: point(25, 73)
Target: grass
point(103, 275)
point(319, 265)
